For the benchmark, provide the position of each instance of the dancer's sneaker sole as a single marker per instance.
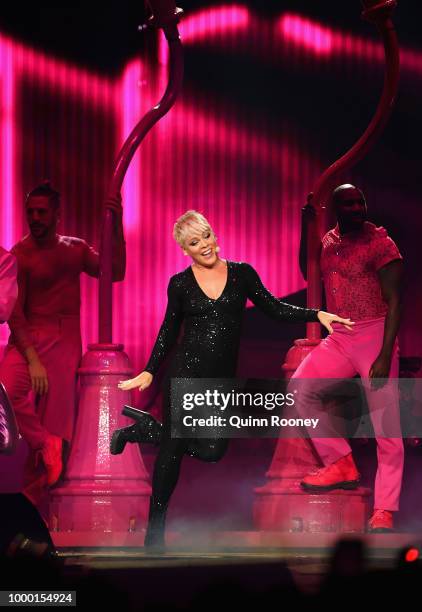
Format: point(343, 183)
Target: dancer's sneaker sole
point(346, 484)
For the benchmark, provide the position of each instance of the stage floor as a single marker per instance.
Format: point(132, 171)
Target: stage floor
point(260, 543)
point(306, 556)
point(305, 567)
point(307, 571)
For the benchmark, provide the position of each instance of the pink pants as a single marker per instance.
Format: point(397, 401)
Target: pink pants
point(58, 344)
point(344, 354)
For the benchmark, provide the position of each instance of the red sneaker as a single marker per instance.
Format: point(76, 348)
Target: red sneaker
point(51, 454)
point(381, 521)
point(342, 474)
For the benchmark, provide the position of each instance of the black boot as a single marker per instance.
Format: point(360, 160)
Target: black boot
point(150, 429)
point(146, 429)
point(121, 436)
point(154, 538)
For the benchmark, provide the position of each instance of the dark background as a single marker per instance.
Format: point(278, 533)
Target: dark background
point(103, 35)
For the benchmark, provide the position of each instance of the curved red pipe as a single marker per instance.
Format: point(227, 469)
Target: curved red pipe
point(380, 14)
point(166, 16)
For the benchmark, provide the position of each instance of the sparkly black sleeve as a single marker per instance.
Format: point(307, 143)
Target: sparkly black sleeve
point(169, 329)
point(271, 305)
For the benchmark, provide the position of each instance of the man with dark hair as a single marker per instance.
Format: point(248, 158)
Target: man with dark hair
point(361, 269)
point(44, 347)
point(45, 190)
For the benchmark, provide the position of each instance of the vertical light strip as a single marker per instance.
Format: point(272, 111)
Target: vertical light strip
point(125, 319)
point(130, 115)
point(7, 120)
point(7, 135)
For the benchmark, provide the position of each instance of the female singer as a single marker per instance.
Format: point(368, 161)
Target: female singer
point(209, 297)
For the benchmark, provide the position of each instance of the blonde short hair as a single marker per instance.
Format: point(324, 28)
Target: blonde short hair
point(190, 220)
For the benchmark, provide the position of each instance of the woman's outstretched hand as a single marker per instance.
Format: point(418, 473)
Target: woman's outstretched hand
point(141, 382)
point(326, 318)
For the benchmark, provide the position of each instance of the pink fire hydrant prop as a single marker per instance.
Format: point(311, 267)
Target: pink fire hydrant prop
point(104, 498)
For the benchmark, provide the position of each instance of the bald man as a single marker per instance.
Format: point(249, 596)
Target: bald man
point(361, 269)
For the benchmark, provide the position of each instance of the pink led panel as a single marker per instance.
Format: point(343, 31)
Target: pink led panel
point(65, 123)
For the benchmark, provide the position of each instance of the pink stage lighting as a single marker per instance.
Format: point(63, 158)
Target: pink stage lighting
point(7, 136)
point(131, 112)
point(306, 34)
point(206, 24)
point(325, 42)
point(248, 178)
point(16, 63)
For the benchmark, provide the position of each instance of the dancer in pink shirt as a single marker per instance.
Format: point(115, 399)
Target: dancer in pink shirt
point(361, 268)
point(44, 347)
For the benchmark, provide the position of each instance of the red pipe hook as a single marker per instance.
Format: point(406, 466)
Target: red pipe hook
point(380, 14)
point(165, 15)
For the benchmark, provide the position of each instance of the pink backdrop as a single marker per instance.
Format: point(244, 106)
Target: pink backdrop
point(248, 178)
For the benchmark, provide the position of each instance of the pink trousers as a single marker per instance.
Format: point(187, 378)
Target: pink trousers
point(344, 354)
point(58, 344)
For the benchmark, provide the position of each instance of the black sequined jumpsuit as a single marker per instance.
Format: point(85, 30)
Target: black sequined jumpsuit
point(208, 349)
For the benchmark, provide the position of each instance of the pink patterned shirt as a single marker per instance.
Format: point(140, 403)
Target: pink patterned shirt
point(349, 266)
